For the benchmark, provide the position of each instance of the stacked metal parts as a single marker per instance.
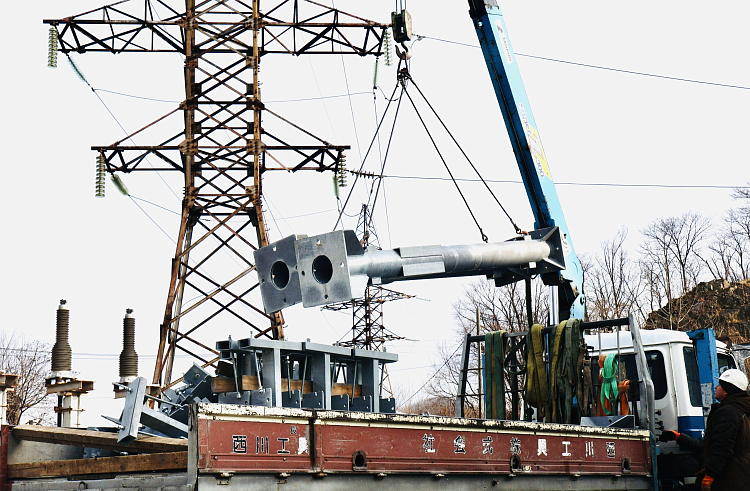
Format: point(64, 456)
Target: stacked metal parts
point(302, 375)
point(256, 372)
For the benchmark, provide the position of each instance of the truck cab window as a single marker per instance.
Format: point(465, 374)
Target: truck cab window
point(691, 370)
point(655, 361)
point(725, 362)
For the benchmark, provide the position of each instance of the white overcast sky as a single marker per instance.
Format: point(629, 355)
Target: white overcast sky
point(598, 127)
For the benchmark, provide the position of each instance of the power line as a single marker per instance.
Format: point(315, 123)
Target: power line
point(317, 98)
point(433, 375)
point(154, 221)
point(154, 204)
point(599, 67)
point(137, 96)
point(594, 184)
point(305, 99)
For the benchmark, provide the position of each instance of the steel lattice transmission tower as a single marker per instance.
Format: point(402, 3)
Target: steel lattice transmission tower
point(368, 331)
point(223, 151)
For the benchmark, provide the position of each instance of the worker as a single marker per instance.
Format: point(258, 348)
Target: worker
point(726, 446)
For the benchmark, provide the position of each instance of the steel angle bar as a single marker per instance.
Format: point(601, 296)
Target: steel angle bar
point(113, 155)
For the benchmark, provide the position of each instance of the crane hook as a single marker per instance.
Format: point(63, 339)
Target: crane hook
point(406, 54)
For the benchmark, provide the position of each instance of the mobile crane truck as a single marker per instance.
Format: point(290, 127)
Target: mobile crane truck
point(283, 420)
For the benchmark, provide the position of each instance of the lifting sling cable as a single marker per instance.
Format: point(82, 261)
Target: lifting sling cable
point(445, 164)
point(494, 354)
point(583, 372)
point(609, 389)
point(571, 376)
point(569, 372)
point(537, 393)
point(374, 196)
point(516, 227)
point(554, 379)
point(369, 148)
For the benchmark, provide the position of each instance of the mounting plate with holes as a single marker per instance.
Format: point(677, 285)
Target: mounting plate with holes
point(276, 265)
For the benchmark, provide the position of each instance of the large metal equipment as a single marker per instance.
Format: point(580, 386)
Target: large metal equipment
point(334, 267)
point(306, 375)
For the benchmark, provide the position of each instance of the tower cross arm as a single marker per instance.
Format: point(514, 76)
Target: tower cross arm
point(117, 29)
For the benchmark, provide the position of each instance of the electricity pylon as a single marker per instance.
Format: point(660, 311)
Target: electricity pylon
point(368, 331)
point(223, 151)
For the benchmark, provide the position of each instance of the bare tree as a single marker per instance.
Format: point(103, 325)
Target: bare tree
point(742, 193)
point(729, 257)
point(729, 252)
point(502, 308)
point(612, 282)
point(30, 360)
point(671, 263)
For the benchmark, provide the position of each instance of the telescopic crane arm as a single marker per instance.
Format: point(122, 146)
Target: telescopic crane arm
point(527, 146)
point(333, 267)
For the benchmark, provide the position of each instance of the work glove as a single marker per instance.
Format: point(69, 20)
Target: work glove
point(668, 436)
point(706, 483)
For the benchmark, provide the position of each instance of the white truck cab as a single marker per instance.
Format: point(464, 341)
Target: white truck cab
point(673, 365)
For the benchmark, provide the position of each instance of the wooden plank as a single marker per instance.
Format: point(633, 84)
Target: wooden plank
point(96, 439)
point(341, 389)
point(100, 465)
point(250, 382)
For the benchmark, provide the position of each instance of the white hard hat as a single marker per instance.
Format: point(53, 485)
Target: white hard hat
point(734, 377)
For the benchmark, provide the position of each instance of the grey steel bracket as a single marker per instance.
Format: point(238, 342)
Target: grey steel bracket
point(313, 400)
point(363, 404)
point(388, 405)
point(303, 363)
point(292, 399)
point(136, 413)
point(241, 398)
point(340, 403)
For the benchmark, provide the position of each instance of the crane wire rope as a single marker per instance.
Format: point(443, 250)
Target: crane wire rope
point(479, 175)
point(380, 158)
point(445, 164)
point(369, 148)
point(374, 195)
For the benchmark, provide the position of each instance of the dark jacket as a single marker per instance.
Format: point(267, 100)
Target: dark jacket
point(726, 446)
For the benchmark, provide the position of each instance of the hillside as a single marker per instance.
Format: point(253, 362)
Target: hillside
point(719, 304)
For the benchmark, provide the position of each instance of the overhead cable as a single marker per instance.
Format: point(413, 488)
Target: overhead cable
point(356, 177)
point(602, 184)
point(448, 359)
point(599, 67)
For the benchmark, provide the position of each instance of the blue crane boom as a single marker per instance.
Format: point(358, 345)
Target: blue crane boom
point(527, 146)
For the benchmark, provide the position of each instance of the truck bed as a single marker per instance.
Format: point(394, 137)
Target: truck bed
point(255, 448)
point(259, 448)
